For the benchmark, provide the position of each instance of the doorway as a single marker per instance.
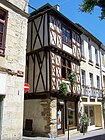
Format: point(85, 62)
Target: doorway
point(60, 119)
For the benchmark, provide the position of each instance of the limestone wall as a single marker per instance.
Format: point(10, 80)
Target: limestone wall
point(42, 112)
point(22, 4)
point(10, 64)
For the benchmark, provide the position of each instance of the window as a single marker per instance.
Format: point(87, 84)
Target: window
point(98, 82)
point(83, 78)
point(82, 49)
point(91, 80)
point(0, 110)
point(96, 56)
point(66, 68)
point(66, 36)
point(89, 110)
point(103, 63)
point(2, 31)
point(76, 37)
point(90, 53)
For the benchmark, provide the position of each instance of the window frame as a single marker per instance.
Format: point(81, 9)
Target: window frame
point(103, 58)
point(66, 36)
point(96, 57)
point(90, 53)
point(83, 77)
point(82, 49)
point(91, 79)
point(4, 22)
point(67, 67)
point(98, 81)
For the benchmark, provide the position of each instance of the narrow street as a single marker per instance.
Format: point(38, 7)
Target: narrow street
point(92, 135)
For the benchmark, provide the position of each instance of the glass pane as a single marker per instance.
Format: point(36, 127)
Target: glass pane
point(68, 72)
point(59, 119)
point(0, 40)
point(68, 64)
point(1, 27)
point(71, 114)
point(83, 77)
point(63, 62)
point(91, 113)
point(2, 14)
point(0, 109)
point(63, 72)
point(86, 110)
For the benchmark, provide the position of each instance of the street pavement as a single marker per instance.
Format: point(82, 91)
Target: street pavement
point(92, 135)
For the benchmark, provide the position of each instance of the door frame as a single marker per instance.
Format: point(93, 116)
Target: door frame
point(60, 107)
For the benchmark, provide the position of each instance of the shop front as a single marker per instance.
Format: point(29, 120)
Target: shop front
point(95, 116)
point(66, 116)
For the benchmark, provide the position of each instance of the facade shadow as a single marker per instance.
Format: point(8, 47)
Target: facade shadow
point(99, 137)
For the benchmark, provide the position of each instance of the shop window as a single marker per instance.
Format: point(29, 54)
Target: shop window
point(66, 68)
point(89, 110)
point(2, 31)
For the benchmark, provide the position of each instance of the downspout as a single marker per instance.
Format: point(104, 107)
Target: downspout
point(101, 84)
point(100, 65)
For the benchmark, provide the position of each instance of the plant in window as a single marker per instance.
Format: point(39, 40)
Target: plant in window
point(72, 78)
point(63, 88)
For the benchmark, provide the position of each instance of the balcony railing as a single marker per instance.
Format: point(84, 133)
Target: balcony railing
point(91, 92)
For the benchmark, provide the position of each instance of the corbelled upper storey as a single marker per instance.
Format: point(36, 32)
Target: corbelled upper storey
point(49, 28)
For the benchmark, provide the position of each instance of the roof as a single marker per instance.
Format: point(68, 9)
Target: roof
point(87, 33)
point(48, 8)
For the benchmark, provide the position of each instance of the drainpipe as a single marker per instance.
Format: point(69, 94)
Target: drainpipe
point(101, 81)
point(100, 64)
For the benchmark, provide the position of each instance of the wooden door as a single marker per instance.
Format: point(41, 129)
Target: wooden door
point(60, 119)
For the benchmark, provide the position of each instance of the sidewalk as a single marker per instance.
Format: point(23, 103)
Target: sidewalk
point(92, 135)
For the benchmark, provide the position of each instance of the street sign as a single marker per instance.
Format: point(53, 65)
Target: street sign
point(26, 87)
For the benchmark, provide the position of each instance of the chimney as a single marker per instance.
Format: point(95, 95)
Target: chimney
point(57, 7)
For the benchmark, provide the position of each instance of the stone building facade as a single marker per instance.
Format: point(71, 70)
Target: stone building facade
point(13, 34)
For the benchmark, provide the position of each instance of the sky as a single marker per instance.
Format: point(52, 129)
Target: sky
point(70, 9)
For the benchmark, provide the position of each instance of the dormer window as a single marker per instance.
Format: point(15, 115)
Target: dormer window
point(66, 36)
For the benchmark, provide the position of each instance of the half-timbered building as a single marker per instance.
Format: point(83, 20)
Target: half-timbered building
point(53, 53)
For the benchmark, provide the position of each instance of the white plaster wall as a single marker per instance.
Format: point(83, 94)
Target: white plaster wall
point(102, 52)
point(86, 66)
point(67, 49)
point(14, 59)
point(42, 30)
